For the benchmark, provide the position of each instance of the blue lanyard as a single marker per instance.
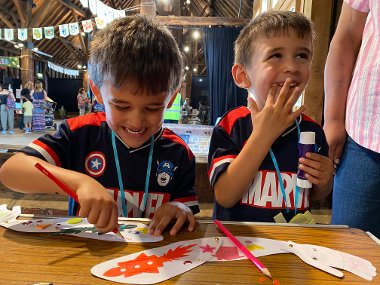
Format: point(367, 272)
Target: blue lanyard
point(120, 180)
point(279, 177)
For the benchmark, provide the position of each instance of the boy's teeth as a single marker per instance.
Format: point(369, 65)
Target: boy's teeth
point(134, 132)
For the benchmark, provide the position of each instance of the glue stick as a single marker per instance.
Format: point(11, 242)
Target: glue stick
point(306, 144)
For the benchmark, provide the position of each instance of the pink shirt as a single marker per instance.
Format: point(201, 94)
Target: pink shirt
point(363, 101)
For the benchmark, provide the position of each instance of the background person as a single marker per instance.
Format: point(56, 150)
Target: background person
point(352, 115)
point(39, 99)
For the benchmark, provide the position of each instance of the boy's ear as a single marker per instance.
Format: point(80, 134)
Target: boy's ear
point(240, 76)
point(96, 91)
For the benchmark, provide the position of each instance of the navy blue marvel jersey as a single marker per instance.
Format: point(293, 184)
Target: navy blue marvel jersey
point(264, 198)
point(84, 144)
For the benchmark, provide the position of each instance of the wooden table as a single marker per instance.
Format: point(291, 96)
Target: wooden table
point(27, 258)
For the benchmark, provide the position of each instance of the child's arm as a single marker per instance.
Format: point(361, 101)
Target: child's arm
point(18, 173)
point(268, 124)
point(319, 170)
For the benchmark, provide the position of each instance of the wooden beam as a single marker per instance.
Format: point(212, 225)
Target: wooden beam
point(6, 21)
point(256, 8)
point(201, 21)
point(84, 48)
point(44, 9)
point(70, 5)
point(10, 50)
point(321, 15)
point(20, 12)
point(72, 49)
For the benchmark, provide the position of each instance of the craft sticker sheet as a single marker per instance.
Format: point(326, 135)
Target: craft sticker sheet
point(80, 227)
point(258, 246)
point(158, 264)
point(137, 232)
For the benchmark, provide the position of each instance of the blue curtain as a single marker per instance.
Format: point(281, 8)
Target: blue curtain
point(219, 53)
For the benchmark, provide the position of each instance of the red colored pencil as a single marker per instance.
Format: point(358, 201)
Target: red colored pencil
point(61, 185)
point(243, 249)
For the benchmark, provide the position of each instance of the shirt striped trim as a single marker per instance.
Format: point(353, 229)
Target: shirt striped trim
point(219, 161)
point(49, 155)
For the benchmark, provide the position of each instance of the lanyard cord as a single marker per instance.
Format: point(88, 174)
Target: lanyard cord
point(279, 177)
point(120, 180)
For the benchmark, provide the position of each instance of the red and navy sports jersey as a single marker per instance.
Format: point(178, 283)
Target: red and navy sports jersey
point(84, 144)
point(264, 198)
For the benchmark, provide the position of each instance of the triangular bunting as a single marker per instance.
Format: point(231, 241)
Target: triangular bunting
point(37, 33)
point(100, 24)
point(64, 30)
point(8, 34)
point(22, 34)
point(87, 26)
point(74, 29)
point(49, 32)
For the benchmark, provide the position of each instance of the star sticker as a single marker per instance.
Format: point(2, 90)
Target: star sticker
point(95, 164)
point(207, 248)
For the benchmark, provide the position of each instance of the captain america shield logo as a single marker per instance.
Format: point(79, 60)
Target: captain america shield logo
point(95, 164)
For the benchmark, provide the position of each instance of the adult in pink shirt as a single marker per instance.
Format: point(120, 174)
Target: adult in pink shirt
point(352, 115)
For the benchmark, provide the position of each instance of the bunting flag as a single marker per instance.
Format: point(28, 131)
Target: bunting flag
point(8, 34)
point(74, 29)
point(49, 32)
point(64, 30)
point(22, 34)
point(10, 61)
point(37, 33)
point(87, 26)
point(100, 24)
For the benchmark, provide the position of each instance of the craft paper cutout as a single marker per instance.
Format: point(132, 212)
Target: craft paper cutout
point(9, 215)
point(158, 264)
point(258, 246)
point(325, 259)
point(131, 231)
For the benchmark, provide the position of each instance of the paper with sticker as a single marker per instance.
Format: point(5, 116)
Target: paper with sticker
point(158, 264)
point(80, 227)
point(258, 246)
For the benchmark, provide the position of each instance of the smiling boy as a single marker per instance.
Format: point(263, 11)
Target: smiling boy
point(273, 56)
point(111, 159)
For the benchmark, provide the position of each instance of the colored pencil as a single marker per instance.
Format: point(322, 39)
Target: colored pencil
point(60, 184)
point(243, 249)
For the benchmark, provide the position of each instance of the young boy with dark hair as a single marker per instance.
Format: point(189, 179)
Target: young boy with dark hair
point(273, 55)
point(120, 162)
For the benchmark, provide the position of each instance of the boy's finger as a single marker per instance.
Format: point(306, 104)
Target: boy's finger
point(252, 106)
point(192, 222)
point(293, 98)
point(284, 91)
point(161, 226)
point(178, 224)
point(272, 94)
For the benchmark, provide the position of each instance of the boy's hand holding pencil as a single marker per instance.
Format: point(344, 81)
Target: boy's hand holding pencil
point(96, 204)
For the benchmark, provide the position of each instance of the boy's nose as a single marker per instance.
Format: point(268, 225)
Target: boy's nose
point(290, 66)
point(135, 120)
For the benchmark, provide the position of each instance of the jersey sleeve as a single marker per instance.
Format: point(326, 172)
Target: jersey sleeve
point(53, 148)
point(223, 150)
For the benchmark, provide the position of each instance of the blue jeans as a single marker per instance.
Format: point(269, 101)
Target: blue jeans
point(356, 194)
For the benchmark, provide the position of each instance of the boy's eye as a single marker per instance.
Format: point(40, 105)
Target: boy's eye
point(117, 107)
point(153, 109)
point(276, 55)
point(303, 55)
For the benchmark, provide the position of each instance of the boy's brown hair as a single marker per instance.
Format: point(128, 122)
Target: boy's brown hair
point(269, 24)
point(139, 50)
